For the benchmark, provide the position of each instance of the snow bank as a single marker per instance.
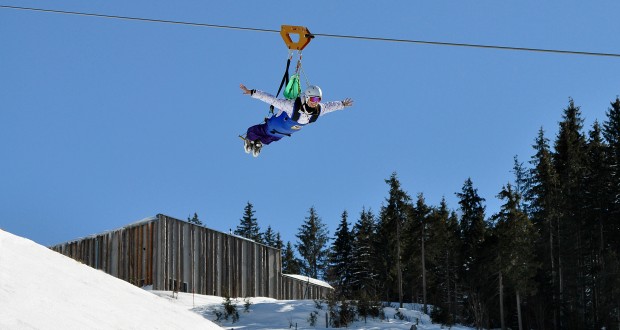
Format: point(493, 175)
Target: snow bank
point(42, 289)
point(271, 314)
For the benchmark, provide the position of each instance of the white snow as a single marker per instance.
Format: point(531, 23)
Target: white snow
point(309, 279)
point(271, 314)
point(139, 222)
point(42, 289)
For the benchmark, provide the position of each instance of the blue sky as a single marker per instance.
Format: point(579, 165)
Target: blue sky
point(104, 122)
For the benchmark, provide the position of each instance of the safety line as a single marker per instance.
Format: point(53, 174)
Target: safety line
point(438, 43)
point(151, 20)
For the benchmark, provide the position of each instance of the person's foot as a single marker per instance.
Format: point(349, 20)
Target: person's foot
point(257, 146)
point(247, 145)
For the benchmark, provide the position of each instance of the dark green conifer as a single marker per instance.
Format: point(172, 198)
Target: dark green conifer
point(248, 225)
point(340, 260)
point(394, 215)
point(364, 256)
point(290, 264)
point(195, 220)
point(312, 246)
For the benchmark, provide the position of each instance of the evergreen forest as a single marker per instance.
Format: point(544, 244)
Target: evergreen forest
point(549, 259)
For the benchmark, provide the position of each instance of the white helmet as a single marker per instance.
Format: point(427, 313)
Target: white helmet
point(312, 91)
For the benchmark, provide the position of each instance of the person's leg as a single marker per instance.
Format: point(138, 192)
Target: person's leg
point(259, 132)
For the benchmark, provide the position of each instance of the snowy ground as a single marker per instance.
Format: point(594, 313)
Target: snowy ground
point(42, 289)
point(267, 313)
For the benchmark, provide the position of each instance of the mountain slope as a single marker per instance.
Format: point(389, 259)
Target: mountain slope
point(42, 289)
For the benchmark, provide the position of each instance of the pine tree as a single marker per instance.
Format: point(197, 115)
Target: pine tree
point(597, 202)
point(442, 253)
point(312, 246)
point(516, 236)
point(393, 217)
point(411, 255)
point(363, 260)
point(569, 161)
point(610, 237)
point(248, 225)
point(195, 220)
point(544, 193)
point(522, 184)
point(474, 232)
point(421, 231)
point(269, 237)
point(340, 257)
point(279, 243)
point(473, 227)
point(611, 132)
point(290, 264)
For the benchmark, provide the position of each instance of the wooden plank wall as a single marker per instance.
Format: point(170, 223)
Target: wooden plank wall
point(293, 288)
point(174, 255)
point(201, 260)
point(126, 253)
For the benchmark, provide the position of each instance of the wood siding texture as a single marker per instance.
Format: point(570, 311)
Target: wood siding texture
point(173, 255)
point(292, 287)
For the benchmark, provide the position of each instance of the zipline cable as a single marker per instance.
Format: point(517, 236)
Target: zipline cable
point(440, 43)
point(150, 20)
point(437, 43)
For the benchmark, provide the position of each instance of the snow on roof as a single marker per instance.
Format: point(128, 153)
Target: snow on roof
point(147, 219)
point(310, 280)
point(154, 218)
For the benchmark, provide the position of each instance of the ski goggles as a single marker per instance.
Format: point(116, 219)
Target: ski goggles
point(315, 98)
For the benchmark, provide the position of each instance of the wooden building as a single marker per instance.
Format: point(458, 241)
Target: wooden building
point(173, 255)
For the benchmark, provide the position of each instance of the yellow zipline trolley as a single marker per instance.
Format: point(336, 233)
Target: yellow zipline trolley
point(304, 36)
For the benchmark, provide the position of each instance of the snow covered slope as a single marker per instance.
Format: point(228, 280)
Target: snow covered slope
point(270, 314)
point(42, 289)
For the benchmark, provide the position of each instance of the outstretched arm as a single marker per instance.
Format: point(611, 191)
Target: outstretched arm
point(347, 102)
point(336, 105)
point(245, 89)
point(282, 104)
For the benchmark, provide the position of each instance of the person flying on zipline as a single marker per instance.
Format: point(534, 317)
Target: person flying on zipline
point(292, 115)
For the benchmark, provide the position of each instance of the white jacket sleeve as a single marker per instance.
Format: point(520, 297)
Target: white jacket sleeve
point(281, 104)
point(331, 107)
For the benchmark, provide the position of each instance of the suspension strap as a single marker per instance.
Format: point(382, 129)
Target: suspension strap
point(304, 39)
point(283, 82)
point(298, 67)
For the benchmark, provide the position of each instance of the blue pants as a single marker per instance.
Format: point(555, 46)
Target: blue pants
point(259, 132)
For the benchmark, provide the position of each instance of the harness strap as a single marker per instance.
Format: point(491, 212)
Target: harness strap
point(296, 113)
point(282, 83)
